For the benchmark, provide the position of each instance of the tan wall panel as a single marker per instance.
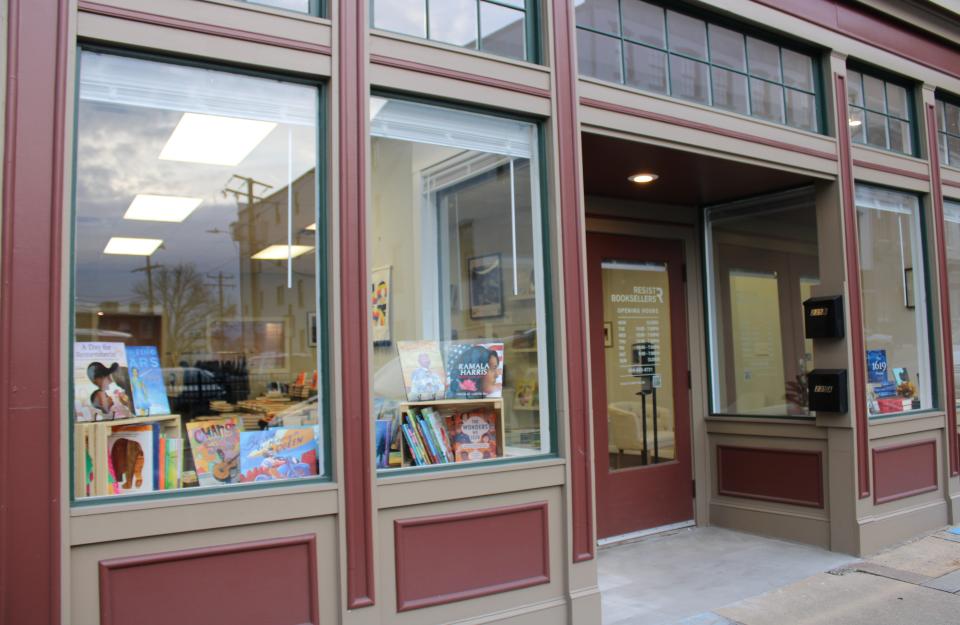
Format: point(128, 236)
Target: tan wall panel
point(760, 520)
point(950, 177)
point(880, 531)
point(83, 600)
point(877, 166)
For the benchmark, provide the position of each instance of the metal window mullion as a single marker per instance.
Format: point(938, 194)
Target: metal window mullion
point(783, 85)
point(886, 117)
point(623, 45)
point(426, 17)
point(666, 44)
point(479, 26)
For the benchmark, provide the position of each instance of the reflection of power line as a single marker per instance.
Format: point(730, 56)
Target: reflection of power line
point(148, 268)
point(222, 280)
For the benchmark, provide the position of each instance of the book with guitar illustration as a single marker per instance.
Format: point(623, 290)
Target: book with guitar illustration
point(215, 446)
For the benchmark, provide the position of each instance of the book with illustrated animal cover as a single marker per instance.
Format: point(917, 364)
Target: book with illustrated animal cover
point(473, 434)
point(100, 382)
point(277, 454)
point(474, 370)
point(146, 381)
point(422, 366)
point(132, 453)
point(215, 446)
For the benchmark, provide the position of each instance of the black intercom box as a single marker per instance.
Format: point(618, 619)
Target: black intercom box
point(823, 317)
point(827, 390)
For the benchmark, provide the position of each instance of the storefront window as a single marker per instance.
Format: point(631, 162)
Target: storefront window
point(196, 260)
point(495, 26)
point(894, 301)
point(648, 47)
point(951, 228)
point(456, 284)
point(880, 113)
point(762, 266)
point(948, 125)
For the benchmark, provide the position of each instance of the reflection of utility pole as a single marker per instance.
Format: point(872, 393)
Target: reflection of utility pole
point(148, 268)
point(221, 281)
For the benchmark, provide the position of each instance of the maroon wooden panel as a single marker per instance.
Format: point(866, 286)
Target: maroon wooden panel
point(851, 249)
point(446, 72)
point(574, 275)
point(901, 471)
point(887, 33)
point(785, 475)
point(198, 27)
point(30, 325)
point(936, 192)
point(353, 96)
point(269, 581)
point(452, 557)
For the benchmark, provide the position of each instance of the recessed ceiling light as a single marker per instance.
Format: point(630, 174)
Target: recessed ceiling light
point(643, 178)
point(146, 207)
point(854, 123)
point(129, 246)
point(279, 252)
point(312, 227)
point(214, 140)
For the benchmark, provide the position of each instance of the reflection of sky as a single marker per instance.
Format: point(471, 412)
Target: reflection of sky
point(302, 6)
point(450, 21)
point(117, 158)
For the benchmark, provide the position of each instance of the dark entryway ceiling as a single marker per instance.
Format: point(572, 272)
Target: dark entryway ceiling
point(686, 178)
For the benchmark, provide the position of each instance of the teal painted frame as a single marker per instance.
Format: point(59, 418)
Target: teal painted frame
point(317, 8)
point(741, 29)
point(547, 293)
point(943, 99)
point(886, 78)
point(323, 262)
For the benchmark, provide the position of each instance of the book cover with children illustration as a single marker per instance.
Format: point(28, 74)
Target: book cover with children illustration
point(422, 367)
point(277, 454)
point(146, 381)
point(100, 381)
point(474, 370)
point(215, 446)
point(473, 434)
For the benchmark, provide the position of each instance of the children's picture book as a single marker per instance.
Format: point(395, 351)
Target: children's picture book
point(384, 435)
point(876, 366)
point(474, 370)
point(473, 434)
point(527, 395)
point(146, 381)
point(277, 454)
point(900, 375)
point(172, 462)
point(100, 381)
point(215, 446)
point(132, 453)
point(422, 367)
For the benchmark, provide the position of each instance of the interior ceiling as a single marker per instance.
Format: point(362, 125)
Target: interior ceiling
point(686, 178)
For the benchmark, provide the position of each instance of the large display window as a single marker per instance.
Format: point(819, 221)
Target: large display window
point(196, 255)
point(762, 264)
point(894, 301)
point(951, 231)
point(457, 285)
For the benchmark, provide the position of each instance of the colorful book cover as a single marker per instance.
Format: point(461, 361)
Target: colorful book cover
point(146, 381)
point(132, 453)
point(173, 461)
point(427, 433)
point(474, 435)
point(162, 460)
point(474, 370)
point(876, 366)
point(100, 382)
point(527, 391)
point(439, 433)
point(422, 367)
point(411, 444)
point(383, 436)
point(277, 454)
point(215, 445)
point(418, 437)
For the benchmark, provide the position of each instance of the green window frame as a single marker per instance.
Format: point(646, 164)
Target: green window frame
point(528, 8)
point(314, 7)
point(868, 123)
point(715, 68)
point(948, 138)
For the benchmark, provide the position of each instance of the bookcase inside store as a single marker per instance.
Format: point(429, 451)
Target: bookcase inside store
point(446, 408)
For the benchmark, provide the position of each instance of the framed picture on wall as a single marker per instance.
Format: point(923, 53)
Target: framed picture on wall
point(311, 329)
point(380, 314)
point(486, 286)
point(908, 300)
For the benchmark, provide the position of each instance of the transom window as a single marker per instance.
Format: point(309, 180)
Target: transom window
point(880, 113)
point(948, 126)
point(645, 46)
point(501, 27)
point(311, 7)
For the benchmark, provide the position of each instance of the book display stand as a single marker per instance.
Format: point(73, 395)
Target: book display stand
point(445, 409)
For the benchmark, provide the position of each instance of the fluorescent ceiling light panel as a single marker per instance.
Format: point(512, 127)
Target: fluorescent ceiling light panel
point(132, 247)
point(146, 207)
point(214, 140)
point(279, 252)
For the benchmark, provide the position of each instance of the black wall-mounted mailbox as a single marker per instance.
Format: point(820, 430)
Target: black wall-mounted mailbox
point(823, 317)
point(827, 390)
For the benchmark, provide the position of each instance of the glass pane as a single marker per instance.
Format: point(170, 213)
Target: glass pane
point(458, 371)
point(894, 301)
point(520, 4)
point(942, 146)
point(797, 70)
point(900, 136)
point(951, 232)
point(602, 15)
point(727, 48)
point(897, 101)
point(401, 16)
point(873, 92)
point(855, 88)
point(763, 265)
point(689, 79)
point(876, 130)
point(953, 151)
point(687, 35)
point(643, 22)
point(639, 371)
point(301, 6)
point(951, 122)
point(858, 127)
point(646, 68)
point(599, 56)
point(196, 257)
point(454, 21)
point(801, 110)
point(730, 90)
point(941, 124)
point(503, 31)
point(766, 100)
point(764, 59)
